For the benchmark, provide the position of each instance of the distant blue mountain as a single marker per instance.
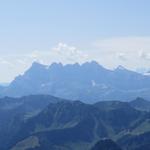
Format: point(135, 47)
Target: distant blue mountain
point(4, 84)
point(88, 82)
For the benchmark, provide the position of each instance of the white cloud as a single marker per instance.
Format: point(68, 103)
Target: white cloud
point(68, 54)
point(131, 52)
point(124, 44)
point(21, 61)
point(16, 64)
point(60, 53)
point(6, 62)
point(121, 56)
point(144, 55)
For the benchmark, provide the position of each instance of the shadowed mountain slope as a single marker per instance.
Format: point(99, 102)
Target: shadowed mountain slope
point(106, 144)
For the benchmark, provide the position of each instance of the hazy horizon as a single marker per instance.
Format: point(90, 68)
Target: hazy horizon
point(112, 33)
point(75, 75)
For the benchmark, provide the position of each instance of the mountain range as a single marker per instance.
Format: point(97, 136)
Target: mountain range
point(89, 82)
point(75, 107)
point(38, 122)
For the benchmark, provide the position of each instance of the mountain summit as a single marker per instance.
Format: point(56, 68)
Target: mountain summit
point(89, 82)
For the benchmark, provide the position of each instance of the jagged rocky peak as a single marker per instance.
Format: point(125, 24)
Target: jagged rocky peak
point(120, 67)
point(92, 63)
point(37, 64)
point(36, 69)
point(55, 64)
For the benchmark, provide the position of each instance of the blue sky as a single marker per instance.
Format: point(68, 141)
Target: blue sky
point(113, 32)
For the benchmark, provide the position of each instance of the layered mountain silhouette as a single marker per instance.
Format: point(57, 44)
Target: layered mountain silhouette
point(15, 111)
point(40, 122)
point(88, 82)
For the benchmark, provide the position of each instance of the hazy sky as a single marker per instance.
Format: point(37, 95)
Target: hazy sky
point(113, 32)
